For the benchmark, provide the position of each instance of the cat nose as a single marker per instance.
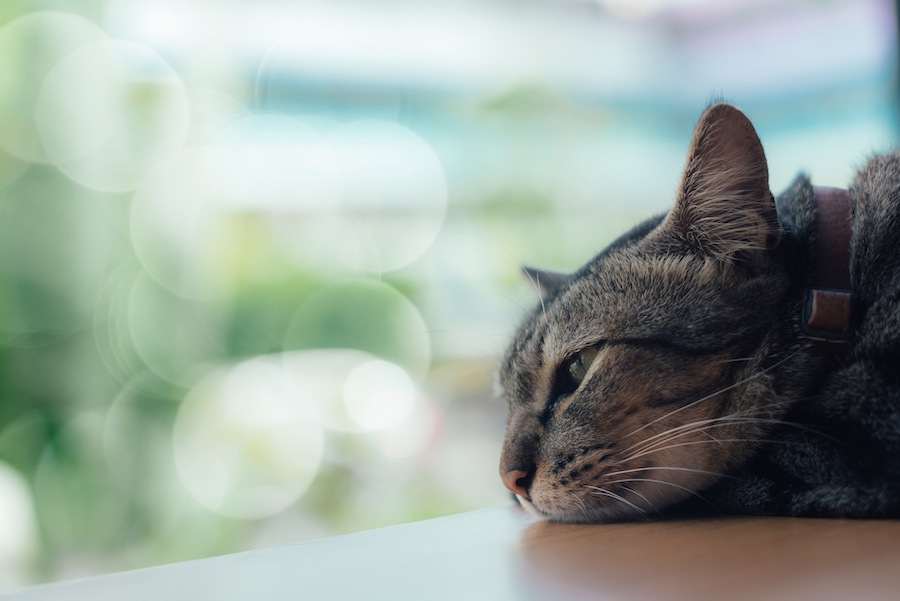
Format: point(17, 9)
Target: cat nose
point(515, 481)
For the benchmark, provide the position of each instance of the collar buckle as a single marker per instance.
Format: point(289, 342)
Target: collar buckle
point(828, 300)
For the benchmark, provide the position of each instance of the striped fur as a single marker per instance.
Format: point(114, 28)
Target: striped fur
point(702, 393)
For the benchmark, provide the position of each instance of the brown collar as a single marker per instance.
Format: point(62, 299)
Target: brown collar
point(828, 299)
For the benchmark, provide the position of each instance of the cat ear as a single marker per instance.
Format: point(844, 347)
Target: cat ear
point(546, 282)
point(724, 205)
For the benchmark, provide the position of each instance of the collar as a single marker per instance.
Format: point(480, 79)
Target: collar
point(828, 298)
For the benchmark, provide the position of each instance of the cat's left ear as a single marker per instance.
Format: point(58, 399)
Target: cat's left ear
point(545, 282)
point(724, 206)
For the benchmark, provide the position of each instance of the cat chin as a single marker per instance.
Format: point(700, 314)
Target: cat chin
point(594, 515)
point(646, 500)
point(532, 509)
point(597, 514)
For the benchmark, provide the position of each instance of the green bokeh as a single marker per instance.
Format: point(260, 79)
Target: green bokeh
point(366, 315)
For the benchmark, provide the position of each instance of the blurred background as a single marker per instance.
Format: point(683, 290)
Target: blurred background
point(258, 259)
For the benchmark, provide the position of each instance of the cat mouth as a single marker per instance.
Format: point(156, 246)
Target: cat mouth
point(596, 501)
point(528, 506)
point(533, 509)
point(596, 514)
point(594, 511)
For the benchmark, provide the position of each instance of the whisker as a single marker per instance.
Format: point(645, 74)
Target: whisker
point(696, 428)
point(581, 504)
point(608, 493)
point(713, 394)
point(676, 432)
point(718, 440)
point(679, 469)
point(646, 500)
point(685, 489)
point(683, 430)
point(736, 360)
point(698, 423)
point(526, 311)
point(712, 438)
point(719, 422)
point(497, 245)
point(537, 288)
point(735, 417)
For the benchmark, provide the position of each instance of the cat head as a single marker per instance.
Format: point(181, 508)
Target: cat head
point(643, 375)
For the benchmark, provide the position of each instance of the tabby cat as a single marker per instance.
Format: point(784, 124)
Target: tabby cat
point(672, 371)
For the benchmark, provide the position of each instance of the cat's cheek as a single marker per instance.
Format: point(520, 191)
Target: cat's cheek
point(675, 476)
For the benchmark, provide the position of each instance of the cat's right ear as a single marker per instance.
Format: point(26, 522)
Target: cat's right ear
point(724, 206)
point(544, 281)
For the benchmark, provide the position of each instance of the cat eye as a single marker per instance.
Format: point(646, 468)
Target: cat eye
point(569, 376)
point(579, 364)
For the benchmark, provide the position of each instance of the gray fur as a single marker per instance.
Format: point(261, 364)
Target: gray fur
point(704, 395)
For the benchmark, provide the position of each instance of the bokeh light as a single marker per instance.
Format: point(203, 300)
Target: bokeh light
point(246, 443)
point(18, 524)
point(112, 329)
point(367, 315)
point(158, 321)
point(80, 512)
point(109, 112)
point(275, 165)
point(379, 395)
point(136, 444)
point(11, 169)
point(53, 269)
point(322, 374)
point(394, 185)
point(258, 260)
point(44, 38)
point(211, 111)
point(418, 433)
point(184, 214)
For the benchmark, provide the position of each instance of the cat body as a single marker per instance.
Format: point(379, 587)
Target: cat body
point(672, 370)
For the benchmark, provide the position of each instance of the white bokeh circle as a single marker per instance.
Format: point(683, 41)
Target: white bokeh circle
point(30, 47)
point(352, 390)
point(246, 443)
point(17, 523)
point(111, 111)
point(394, 184)
point(379, 395)
point(174, 339)
point(184, 214)
point(177, 227)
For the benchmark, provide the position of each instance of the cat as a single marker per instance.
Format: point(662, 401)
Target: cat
point(672, 372)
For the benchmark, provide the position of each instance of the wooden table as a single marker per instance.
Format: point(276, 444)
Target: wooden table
point(502, 554)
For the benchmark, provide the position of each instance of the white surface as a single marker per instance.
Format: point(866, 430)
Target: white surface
point(423, 560)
